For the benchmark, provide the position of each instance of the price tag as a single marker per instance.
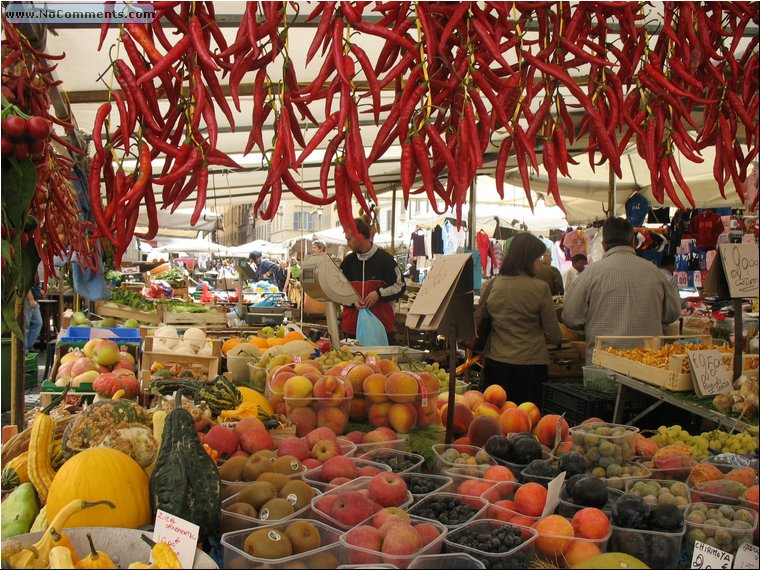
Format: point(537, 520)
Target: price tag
point(178, 533)
point(682, 277)
point(708, 372)
point(748, 556)
point(706, 556)
point(552, 494)
point(698, 279)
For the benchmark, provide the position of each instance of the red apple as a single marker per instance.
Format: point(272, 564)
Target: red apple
point(324, 449)
point(388, 489)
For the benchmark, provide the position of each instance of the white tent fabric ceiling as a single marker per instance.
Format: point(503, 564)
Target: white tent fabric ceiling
point(80, 69)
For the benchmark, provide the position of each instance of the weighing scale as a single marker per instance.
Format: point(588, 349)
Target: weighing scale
point(323, 280)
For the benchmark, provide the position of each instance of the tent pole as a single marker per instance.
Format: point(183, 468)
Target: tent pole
point(393, 220)
point(471, 214)
point(612, 196)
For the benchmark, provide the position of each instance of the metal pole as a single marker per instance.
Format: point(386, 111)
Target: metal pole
point(738, 338)
point(452, 383)
point(18, 366)
point(612, 195)
point(393, 220)
point(471, 214)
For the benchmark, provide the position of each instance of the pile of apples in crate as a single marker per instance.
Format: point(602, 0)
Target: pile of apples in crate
point(102, 363)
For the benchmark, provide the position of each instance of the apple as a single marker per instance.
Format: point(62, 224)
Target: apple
point(388, 489)
point(318, 434)
point(338, 466)
point(324, 449)
point(105, 353)
point(401, 539)
point(367, 538)
point(390, 514)
point(90, 346)
point(294, 446)
point(353, 507)
point(82, 365)
point(64, 370)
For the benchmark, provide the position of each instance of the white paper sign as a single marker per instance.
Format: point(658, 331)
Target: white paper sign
point(740, 263)
point(748, 556)
point(698, 279)
point(706, 556)
point(552, 494)
point(178, 533)
point(709, 372)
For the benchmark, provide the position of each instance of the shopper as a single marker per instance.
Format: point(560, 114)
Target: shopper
point(293, 273)
point(549, 274)
point(318, 246)
point(266, 269)
point(580, 261)
point(376, 277)
point(621, 294)
point(32, 315)
point(524, 321)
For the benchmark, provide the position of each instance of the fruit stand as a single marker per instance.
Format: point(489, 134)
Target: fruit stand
point(166, 439)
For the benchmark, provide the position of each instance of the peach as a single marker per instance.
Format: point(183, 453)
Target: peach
point(462, 418)
point(401, 387)
point(530, 499)
point(305, 420)
point(82, 365)
point(514, 420)
point(506, 405)
point(593, 420)
point(387, 366)
point(358, 410)
point(481, 428)
point(523, 521)
point(533, 412)
point(318, 434)
point(503, 510)
point(473, 397)
point(503, 475)
point(486, 409)
point(579, 551)
point(377, 414)
point(462, 444)
point(402, 417)
point(546, 430)
point(330, 390)
point(401, 539)
point(443, 399)
point(426, 415)
point(333, 418)
point(374, 388)
point(277, 380)
point(356, 373)
point(591, 523)
point(473, 488)
point(495, 394)
point(554, 535)
point(429, 388)
point(297, 390)
point(308, 367)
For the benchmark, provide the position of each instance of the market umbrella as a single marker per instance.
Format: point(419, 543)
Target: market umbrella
point(192, 246)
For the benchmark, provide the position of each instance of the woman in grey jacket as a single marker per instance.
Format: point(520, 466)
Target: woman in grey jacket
point(524, 321)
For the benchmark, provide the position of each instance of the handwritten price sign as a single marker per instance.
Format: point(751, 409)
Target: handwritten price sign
point(740, 263)
point(709, 372)
point(705, 556)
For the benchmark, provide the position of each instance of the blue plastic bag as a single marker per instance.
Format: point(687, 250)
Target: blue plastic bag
point(369, 330)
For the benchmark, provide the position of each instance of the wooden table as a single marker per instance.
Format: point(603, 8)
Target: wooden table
point(51, 322)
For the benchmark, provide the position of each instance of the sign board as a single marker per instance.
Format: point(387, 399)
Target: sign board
point(747, 556)
point(446, 297)
point(178, 533)
point(706, 556)
point(734, 274)
point(709, 372)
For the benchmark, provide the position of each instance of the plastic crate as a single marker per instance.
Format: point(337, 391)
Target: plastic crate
point(577, 402)
point(599, 379)
point(76, 334)
point(31, 372)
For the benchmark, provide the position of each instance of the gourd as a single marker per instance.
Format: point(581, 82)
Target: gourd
point(40, 468)
point(185, 481)
point(220, 394)
point(109, 383)
point(162, 554)
point(38, 555)
point(102, 473)
point(15, 472)
point(60, 557)
point(95, 558)
point(159, 421)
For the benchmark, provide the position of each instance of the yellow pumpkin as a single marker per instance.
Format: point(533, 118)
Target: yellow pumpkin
point(102, 474)
point(251, 396)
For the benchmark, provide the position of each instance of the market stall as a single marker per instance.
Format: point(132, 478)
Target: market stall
point(241, 438)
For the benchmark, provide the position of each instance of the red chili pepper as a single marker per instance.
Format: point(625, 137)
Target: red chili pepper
point(201, 50)
point(182, 167)
point(300, 193)
point(144, 172)
point(395, 37)
point(165, 64)
point(200, 200)
point(317, 138)
point(673, 164)
point(369, 74)
point(100, 116)
point(107, 9)
point(324, 170)
point(216, 90)
point(127, 80)
point(408, 168)
point(186, 190)
point(96, 206)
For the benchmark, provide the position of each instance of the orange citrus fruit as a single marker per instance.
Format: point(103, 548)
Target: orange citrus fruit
point(259, 342)
point(274, 341)
point(229, 344)
point(292, 335)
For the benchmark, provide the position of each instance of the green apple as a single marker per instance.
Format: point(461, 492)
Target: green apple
point(79, 318)
point(280, 332)
point(266, 332)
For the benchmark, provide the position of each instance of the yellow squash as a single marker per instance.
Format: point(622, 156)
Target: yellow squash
point(96, 558)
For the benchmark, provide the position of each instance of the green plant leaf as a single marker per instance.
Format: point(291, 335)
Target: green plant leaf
point(18, 187)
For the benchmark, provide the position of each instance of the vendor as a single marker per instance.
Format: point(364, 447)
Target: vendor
point(375, 276)
point(318, 246)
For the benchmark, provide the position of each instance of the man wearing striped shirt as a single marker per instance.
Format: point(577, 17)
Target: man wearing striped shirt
point(621, 294)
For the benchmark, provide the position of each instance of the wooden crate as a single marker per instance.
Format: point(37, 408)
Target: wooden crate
point(125, 312)
point(216, 344)
point(671, 378)
point(209, 318)
point(61, 348)
point(207, 367)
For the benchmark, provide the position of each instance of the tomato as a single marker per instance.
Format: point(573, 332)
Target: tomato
point(14, 126)
point(37, 146)
point(24, 240)
point(6, 145)
point(37, 128)
point(324, 345)
point(21, 150)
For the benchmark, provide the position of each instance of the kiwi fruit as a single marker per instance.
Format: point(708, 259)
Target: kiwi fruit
point(268, 543)
point(255, 466)
point(232, 469)
point(304, 536)
point(323, 560)
point(265, 454)
point(276, 509)
point(242, 508)
point(277, 479)
point(298, 493)
point(257, 493)
point(287, 465)
point(229, 489)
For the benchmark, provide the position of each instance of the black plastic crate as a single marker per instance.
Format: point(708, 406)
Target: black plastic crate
point(577, 402)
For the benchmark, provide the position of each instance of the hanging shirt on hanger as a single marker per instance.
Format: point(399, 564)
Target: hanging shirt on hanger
point(706, 226)
point(418, 244)
point(498, 255)
point(437, 240)
point(486, 249)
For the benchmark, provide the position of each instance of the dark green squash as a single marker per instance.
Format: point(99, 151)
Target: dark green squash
point(220, 394)
point(185, 481)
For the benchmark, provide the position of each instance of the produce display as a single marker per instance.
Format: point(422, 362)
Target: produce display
point(661, 357)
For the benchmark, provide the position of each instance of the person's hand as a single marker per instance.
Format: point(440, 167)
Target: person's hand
point(33, 303)
point(371, 298)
